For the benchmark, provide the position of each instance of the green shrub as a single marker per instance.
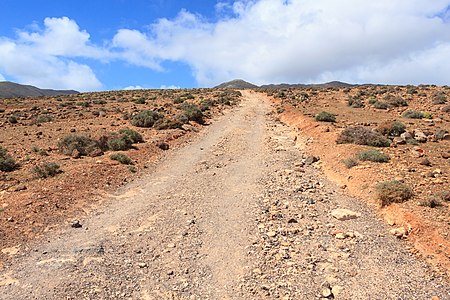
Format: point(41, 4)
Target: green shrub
point(7, 163)
point(83, 144)
point(191, 112)
point(373, 156)
point(396, 102)
point(122, 158)
point(393, 192)
point(440, 98)
point(139, 101)
point(355, 102)
point(133, 135)
point(350, 162)
point(362, 136)
point(145, 118)
point(325, 117)
point(117, 142)
point(413, 114)
point(47, 169)
point(84, 104)
point(99, 102)
point(167, 123)
point(427, 115)
point(39, 151)
point(44, 118)
point(395, 128)
point(380, 105)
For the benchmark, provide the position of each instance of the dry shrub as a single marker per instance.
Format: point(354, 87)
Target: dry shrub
point(362, 136)
point(393, 191)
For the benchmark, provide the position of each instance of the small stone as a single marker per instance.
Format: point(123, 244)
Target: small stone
point(399, 232)
point(163, 146)
point(341, 236)
point(336, 290)
point(326, 292)
point(311, 159)
point(171, 245)
point(344, 214)
point(425, 162)
point(271, 234)
point(142, 265)
point(76, 224)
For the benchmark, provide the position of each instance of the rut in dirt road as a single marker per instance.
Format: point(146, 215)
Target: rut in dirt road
point(238, 214)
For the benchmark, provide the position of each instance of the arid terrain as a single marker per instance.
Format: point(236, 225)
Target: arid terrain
point(254, 199)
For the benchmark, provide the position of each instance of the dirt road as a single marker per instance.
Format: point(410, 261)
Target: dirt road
point(241, 213)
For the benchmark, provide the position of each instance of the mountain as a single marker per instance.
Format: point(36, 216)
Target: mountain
point(10, 90)
point(237, 84)
point(241, 84)
point(299, 85)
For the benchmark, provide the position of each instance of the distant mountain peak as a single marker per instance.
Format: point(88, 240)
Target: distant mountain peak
point(11, 90)
point(237, 84)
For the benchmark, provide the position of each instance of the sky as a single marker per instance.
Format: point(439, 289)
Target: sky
point(92, 45)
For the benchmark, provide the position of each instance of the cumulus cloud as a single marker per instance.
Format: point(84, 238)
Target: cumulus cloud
point(301, 41)
point(44, 57)
point(134, 87)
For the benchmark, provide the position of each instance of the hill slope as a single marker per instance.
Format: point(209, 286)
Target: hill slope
point(237, 84)
point(10, 90)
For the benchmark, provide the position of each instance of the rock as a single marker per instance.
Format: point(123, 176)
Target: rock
point(446, 137)
point(96, 152)
point(420, 136)
point(142, 265)
point(20, 187)
point(76, 224)
point(336, 290)
point(406, 136)
point(399, 141)
point(326, 292)
point(163, 146)
point(76, 154)
point(341, 236)
point(425, 162)
point(311, 159)
point(344, 214)
point(271, 234)
point(399, 232)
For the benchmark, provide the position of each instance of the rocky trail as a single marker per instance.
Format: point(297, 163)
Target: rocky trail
point(241, 213)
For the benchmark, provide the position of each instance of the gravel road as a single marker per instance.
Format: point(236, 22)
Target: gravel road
point(240, 213)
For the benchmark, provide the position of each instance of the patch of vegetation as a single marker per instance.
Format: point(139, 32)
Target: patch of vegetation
point(119, 142)
point(325, 117)
point(7, 163)
point(446, 109)
point(373, 156)
point(139, 101)
point(439, 98)
point(396, 101)
point(12, 119)
point(46, 169)
point(83, 144)
point(191, 112)
point(44, 118)
point(39, 151)
point(430, 202)
point(132, 169)
point(362, 136)
point(394, 128)
point(84, 104)
point(350, 162)
point(380, 105)
point(133, 135)
point(122, 158)
point(167, 123)
point(99, 102)
point(145, 118)
point(355, 102)
point(414, 114)
point(393, 191)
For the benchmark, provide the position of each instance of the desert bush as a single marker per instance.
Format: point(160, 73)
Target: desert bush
point(84, 104)
point(380, 105)
point(167, 123)
point(122, 158)
point(430, 202)
point(83, 144)
point(362, 136)
point(133, 135)
point(46, 169)
point(439, 98)
point(132, 169)
point(139, 101)
point(413, 114)
point(440, 134)
point(427, 115)
point(7, 163)
point(39, 151)
point(44, 118)
point(191, 112)
point(396, 102)
point(119, 142)
point(325, 117)
point(446, 109)
point(99, 102)
point(373, 156)
point(145, 118)
point(355, 102)
point(393, 191)
point(350, 162)
point(395, 128)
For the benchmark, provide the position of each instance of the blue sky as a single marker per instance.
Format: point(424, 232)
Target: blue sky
point(104, 45)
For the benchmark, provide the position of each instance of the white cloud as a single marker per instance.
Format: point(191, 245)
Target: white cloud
point(170, 87)
point(301, 41)
point(2, 78)
point(133, 87)
point(43, 57)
